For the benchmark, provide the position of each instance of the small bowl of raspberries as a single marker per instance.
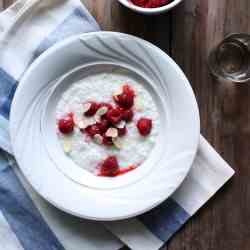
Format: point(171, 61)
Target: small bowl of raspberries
point(150, 7)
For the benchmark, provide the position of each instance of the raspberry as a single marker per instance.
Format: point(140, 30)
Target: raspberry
point(128, 90)
point(114, 115)
point(93, 130)
point(140, 3)
point(105, 104)
point(66, 124)
point(144, 126)
point(107, 141)
point(164, 2)
point(126, 98)
point(126, 170)
point(151, 3)
point(93, 108)
point(103, 126)
point(127, 115)
point(109, 167)
point(122, 131)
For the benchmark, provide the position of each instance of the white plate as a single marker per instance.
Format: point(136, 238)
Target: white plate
point(58, 179)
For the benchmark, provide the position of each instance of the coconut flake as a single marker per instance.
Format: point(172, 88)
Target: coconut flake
point(99, 113)
point(98, 139)
point(102, 111)
point(112, 132)
point(75, 120)
point(117, 92)
point(86, 107)
point(117, 142)
point(121, 124)
point(97, 118)
point(67, 146)
point(82, 124)
point(90, 121)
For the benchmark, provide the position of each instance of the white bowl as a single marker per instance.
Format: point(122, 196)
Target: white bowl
point(66, 185)
point(150, 11)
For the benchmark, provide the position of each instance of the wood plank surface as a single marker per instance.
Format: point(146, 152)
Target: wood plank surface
point(224, 224)
point(188, 33)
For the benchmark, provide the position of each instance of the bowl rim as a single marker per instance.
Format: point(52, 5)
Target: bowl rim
point(161, 9)
point(58, 201)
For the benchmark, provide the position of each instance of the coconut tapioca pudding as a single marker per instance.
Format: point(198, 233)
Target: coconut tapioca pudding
point(107, 123)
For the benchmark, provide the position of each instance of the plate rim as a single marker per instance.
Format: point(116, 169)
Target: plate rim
point(56, 47)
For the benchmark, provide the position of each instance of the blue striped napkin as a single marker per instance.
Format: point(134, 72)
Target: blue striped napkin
point(27, 222)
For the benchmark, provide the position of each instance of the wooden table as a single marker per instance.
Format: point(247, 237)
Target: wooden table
point(187, 34)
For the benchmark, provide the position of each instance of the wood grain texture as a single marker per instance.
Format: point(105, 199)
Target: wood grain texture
point(7, 3)
point(225, 120)
point(187, 34)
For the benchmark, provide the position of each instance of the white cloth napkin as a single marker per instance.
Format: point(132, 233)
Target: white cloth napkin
point(26, 221)
point(150, 231)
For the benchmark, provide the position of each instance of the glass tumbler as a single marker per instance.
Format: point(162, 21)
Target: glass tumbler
point(230, 59)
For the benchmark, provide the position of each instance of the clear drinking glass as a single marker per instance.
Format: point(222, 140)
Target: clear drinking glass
point(230, 59)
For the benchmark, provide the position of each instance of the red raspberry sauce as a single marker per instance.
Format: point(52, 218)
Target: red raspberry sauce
point(110, 168)
point(150, 3)
point(125, 170)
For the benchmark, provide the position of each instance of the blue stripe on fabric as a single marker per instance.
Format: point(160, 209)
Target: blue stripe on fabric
point(164, 220)
point(21, 214)
point(80, 21)
point(7, 89)
point(4, 135)
point(3, 163)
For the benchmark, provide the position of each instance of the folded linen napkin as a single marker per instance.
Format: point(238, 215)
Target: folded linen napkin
point(27, 29)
